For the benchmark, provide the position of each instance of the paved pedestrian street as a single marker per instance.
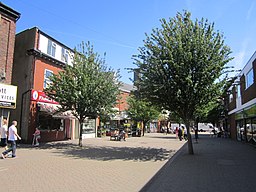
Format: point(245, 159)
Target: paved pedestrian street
point(100, 165)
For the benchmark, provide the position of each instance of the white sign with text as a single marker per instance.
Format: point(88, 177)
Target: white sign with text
point(8, 95)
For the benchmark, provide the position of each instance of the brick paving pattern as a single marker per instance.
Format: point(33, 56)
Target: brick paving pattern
point(101, 165)
point(156, 162)
point(218, 165)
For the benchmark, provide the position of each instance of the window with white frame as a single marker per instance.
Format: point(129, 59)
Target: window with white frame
point(238, 91)
point(249, 78)
point(47, 75)
point(230, 98)
point(51, 49)
point(64, 55)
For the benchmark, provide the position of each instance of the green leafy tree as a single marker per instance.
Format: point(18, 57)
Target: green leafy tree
point(107, 114)
point(141, 110)
point(181, 66)
point(216, 109)
point(87, 88)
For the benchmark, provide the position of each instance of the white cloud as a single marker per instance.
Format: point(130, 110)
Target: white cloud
point(250, 10)
point(241, 56)
point(239, 59)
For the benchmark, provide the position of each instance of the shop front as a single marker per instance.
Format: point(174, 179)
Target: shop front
point(246, 124)
point(54, 125)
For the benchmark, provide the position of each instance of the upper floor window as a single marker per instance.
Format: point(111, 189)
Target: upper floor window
point(47, 75)
point(230, 98)
point(51, 49)
point(238, 91)
point(249, 78)
point(64, 55)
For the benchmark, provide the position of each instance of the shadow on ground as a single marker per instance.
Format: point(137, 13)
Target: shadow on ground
point(163, 137)
point(121, 153)
point(106, 153)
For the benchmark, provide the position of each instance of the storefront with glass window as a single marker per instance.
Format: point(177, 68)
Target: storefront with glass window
point(246, 124)
point(53, 125)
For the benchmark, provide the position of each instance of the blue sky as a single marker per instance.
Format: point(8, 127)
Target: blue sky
point(118, 28)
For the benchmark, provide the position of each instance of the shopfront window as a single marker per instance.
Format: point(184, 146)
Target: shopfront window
point(240, 130)
point(46, 122)
point(89, 126)
point(254, 129)
point(249, 130)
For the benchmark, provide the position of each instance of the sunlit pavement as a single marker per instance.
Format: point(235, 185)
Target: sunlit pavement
point(100, 165)
point(218, 165)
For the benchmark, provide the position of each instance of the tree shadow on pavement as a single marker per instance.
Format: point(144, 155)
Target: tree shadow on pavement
point(163, 137)
point(122, 153)
point(107, 153)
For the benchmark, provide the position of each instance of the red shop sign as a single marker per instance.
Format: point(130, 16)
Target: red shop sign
point(40, 96)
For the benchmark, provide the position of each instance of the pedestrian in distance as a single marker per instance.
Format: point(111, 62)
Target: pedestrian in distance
point(176, 132)
point(180, 134)
point(196, 134)
point(36, 137)
point(12, 137)
point(185, 134)
point(3, 132)
point(122, 135)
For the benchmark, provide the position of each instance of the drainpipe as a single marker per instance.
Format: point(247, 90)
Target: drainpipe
point(21, 109)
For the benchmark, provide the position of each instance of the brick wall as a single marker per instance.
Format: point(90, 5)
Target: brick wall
point(7, 39)
point(249, 93)
point(40, 66)
point(122, 101)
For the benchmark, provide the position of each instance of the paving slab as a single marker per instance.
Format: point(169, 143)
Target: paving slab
point(218, 165)
point(100, 165)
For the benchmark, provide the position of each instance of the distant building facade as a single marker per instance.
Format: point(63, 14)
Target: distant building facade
point(8, 92)
point(121, 107)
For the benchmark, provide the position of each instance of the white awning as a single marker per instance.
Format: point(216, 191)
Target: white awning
point(52, 109)
point(64, 115)
point(48, 107)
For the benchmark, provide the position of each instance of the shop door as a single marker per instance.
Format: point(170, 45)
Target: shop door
point(254, 129)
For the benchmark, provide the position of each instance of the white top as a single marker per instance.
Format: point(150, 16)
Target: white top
point(12, 131)
point(3, 131)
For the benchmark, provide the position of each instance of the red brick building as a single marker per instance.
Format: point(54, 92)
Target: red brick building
point(8, 19)
point(38, 56)
point(121, 116)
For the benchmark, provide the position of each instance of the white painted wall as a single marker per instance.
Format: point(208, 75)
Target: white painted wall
point(43, 45)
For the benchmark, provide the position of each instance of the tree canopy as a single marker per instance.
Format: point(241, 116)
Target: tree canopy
point(180, 66)
point(87, 88)
point(141, 110)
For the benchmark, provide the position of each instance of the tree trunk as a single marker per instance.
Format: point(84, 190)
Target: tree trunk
point(143, 128)
point(190, 145)
point(81, 134)
point(196, 129)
